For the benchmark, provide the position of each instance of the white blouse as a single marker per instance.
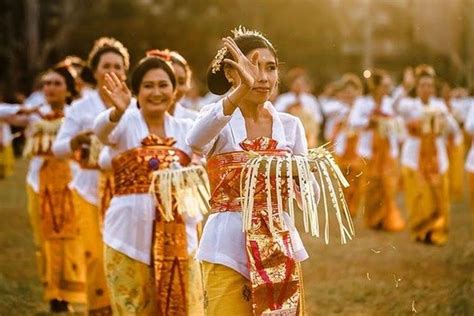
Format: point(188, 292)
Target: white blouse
point(223, 241)
point(32, 176)
point(182, 112)
point(79, 118)
point(308, 101)
point(335, 112)
point(412, 109)
point(128, 225)
point(7, 110)
point(469, 127)
point(360, 118)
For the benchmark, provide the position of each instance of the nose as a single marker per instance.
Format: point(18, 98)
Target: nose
point(262, 75)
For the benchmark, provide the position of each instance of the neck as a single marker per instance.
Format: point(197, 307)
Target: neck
point(425, 101)
point(172, 108)
point(250, 110)
point(155, 120)
point(57, 106)
point(377, 98)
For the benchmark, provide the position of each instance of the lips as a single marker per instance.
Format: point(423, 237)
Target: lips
point(261, 89)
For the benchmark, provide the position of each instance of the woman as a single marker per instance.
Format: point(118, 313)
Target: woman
point(302, 104)
point(52, 213)
point(148, 256)
point(455, 143)
point(425, 160)
point(228, 132)
point(347, 90)
point(108, 55)
point(378, 144)
point(183, 85)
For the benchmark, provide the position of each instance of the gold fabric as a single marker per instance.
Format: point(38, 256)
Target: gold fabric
point(133, 174)
point(456, 169)
point(381, 186)
point(227, 292)
point(353, 168)
point(428, 204)
point(132, 286)
point(58, 218)
point(106, 192)
point(97, 293)
point(274, 287)
point(7, 161)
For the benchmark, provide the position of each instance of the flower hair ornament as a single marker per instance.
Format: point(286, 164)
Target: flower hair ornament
point(240, 31)
point(163, 54)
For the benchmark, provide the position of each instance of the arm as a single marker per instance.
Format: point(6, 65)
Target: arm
point(207, 127)
point(469, 125)
point(358, 119)
point(104, 126)
point(70, 136)
point(7, 110)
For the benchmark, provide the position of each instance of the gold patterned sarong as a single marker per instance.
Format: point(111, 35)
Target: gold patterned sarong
point(133, 174)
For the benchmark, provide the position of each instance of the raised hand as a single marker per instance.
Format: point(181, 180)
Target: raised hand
point(247, 68)
point(117, 91)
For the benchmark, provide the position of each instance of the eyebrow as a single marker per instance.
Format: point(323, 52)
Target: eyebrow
point(153, 81)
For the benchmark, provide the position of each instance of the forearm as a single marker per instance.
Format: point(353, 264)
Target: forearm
point(209, 124)
point(105, 123)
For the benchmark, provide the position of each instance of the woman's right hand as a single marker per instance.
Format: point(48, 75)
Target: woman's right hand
point(118, 92)
point(247, 68)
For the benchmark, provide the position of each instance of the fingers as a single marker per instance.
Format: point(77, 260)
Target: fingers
point(116, 79)
point(109, 83)
point(231, 49)
point(109, 93)
point(254, 58)
point(235, 46)
point(232, 64)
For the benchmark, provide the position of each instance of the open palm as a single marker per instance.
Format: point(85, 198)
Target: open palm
point(117, 91)
point(247, 68)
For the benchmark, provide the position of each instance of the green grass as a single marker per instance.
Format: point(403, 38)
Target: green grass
point(436, 280)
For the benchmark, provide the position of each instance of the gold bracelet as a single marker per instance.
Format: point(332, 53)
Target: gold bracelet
point(231, 103)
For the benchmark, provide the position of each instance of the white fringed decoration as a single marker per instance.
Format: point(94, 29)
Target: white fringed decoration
point(43, 135)
point(318, 166)
point(190, 187)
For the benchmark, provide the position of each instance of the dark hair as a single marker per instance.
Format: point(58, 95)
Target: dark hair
point(217, 81)
point(66, 73)
point(87, 75)
point(147, 64)
point(105, 45)
point(177, 58)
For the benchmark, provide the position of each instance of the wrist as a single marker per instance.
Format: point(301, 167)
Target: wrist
point(115, 115)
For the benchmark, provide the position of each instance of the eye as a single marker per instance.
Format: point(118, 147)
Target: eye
point(147, 85)
point(118, 67)
point(271, 67)
point(163, 85)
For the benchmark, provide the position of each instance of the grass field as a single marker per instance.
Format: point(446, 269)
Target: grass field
point(375, 274)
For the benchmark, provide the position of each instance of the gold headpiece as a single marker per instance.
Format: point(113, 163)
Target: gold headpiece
point(237, 32)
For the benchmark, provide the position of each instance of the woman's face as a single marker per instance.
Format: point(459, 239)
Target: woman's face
point(384, 87)
point(267, 78)
point(349, 94)
point(182, 82)
point(54, 88)
point(109, 62)
point(425, 88)
point(156, 92)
